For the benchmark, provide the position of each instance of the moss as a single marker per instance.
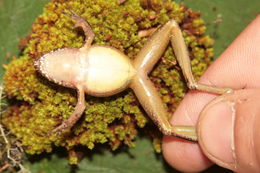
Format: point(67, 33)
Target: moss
point(11, 152)
point(43, 105)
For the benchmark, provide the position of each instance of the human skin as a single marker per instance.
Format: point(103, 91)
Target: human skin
point(227, 124)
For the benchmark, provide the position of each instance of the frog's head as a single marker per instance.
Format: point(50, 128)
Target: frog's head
point(59, 66)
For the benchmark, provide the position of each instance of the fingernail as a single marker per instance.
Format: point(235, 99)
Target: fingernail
point(215, 130)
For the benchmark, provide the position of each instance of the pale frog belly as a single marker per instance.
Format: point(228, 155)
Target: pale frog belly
point(108, 71)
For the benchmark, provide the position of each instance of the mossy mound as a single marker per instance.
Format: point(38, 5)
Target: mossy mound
point(39, 105)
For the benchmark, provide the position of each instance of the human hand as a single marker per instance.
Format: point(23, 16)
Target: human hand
point(228, 125)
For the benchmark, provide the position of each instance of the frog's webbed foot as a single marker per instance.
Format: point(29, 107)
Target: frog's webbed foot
point(75, 116)
point(81, 22)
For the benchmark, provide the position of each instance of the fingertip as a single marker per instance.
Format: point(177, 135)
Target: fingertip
point(236, 69)
point(189, 109)
point(228, 130)
point(183, 155)
point(215, 132)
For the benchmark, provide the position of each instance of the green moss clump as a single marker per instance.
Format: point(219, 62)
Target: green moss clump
point(41, 105)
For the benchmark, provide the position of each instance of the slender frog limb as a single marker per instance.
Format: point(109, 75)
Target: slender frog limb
point(75, 116)
point(182, 55)
point(81, 22)
point(150, 100)
point(103, 71)
point(155, 47)
point(145, 90)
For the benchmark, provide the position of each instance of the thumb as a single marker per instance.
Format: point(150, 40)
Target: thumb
point(229, 131)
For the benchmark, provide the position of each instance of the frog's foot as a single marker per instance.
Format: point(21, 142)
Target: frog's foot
point(60, 129)
point(211, 89)
point(75, 116)
point(185, 132)
point(81, 22)
point(72, 14)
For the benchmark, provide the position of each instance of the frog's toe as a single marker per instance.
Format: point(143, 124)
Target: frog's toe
point(60, 129)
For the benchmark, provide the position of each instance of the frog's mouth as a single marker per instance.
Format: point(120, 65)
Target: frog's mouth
point(38, 64)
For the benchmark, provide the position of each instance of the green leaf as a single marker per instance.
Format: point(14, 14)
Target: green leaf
point(16, 17)
point(140, 159)
point(234, 16)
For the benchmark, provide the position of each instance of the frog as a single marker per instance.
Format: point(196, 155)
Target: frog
point(103, 71)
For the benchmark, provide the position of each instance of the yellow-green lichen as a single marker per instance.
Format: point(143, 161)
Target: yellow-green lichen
point(41, 105)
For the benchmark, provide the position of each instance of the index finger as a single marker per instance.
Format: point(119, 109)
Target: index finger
point(237, 68)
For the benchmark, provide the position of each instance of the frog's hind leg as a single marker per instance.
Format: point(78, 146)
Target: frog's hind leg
point(75, 116)
point(152, 103)
point(156, 46)
point(153, 49)
point(145, 91)
point(182, 55)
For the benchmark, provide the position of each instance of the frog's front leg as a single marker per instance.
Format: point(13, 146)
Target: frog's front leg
point(74, 117)
point(81, 22)
point(145, 90)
